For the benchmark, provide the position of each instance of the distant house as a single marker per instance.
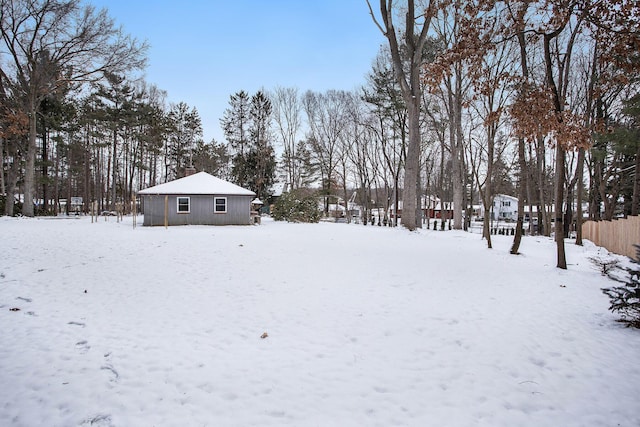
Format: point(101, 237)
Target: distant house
point(198, 199)
point(432, 207)
point(504, 208)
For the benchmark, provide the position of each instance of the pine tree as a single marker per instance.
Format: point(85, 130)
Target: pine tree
point(185, 131)
point(300, 205)
point(116, 95)
point(212, 158)
point(261, 159)
point(235, 124)
point(246, 124)
point(625, 300)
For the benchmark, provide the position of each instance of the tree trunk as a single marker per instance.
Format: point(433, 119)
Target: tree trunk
point(522, 192)
point(522, 162)
point(419, 200)
point(56, 180)
point(456, 155)
point(105, 181)
point(30, 166)
point(486, 221)
point(412, 167)
point(568, 213)
point(542, 208)
point(530, 184)
point(114, 171)
point(345, 195)
point(396, 201)
point(10, 185)
point(69, 180)
point(457, 189)
point(488, 188)
point(559, 190)
point(579, 195)
point(411, 58)
point(45, 169)
point(12, 181)
point(635, 201)
point(87, 173)
point(3, 189)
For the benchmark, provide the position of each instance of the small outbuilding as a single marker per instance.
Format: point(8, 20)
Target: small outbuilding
point(198, 199)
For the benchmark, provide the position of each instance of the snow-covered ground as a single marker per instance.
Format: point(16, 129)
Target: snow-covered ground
point(367, 326)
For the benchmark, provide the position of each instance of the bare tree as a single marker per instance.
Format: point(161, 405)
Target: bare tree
point(407, 60)
point(357, 148)
point(449, 76)
point(327, 116)
point(540, 111)
point(52, 44)
point(13, 128)
point(387, 125)
point(517, 15)
point(287, 107)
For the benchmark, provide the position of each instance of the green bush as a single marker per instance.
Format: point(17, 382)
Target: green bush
point(296, 206)
point(17, 206)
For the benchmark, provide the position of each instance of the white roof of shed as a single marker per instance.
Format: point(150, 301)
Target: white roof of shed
point(199, 183)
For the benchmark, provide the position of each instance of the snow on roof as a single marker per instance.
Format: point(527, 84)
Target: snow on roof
point(505, 196)
point(278, 188)
point(199, 183)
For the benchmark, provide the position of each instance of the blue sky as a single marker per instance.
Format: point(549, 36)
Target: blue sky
point(204, 51)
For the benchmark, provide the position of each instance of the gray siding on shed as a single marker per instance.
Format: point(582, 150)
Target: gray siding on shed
point(201, 210)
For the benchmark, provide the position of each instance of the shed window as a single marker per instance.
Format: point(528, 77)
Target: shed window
point(220, 204)
point(184, 204)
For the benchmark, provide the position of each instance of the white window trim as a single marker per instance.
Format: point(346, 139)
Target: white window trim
point(214, 205)
point(178, 204)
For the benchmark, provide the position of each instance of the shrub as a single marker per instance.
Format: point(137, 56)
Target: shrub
point(296, 206)
point(17, 205)
point(605, 265)
point(625, 300)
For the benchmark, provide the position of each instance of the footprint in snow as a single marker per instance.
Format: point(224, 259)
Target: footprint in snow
point(83, 346)
point(82, 325)
point(110, 369)
point(101, 420)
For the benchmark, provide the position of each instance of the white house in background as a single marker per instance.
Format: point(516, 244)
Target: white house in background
point(504, 208)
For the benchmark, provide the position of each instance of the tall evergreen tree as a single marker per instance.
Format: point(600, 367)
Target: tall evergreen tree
point(117, 96)
point(235, 124)
point(212, 158)
point(185, 130)
point(247, 128)
point(261, 160)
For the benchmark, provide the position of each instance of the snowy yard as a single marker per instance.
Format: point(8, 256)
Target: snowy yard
point(367, 326)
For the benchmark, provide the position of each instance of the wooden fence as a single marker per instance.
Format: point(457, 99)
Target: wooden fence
point(618, 236)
